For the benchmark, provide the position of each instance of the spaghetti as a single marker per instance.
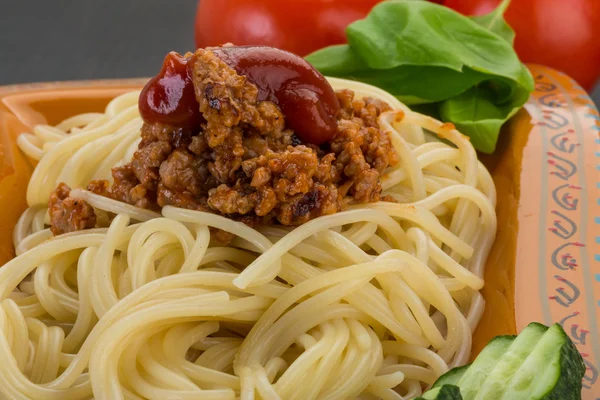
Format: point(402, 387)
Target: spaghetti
point(375, 302)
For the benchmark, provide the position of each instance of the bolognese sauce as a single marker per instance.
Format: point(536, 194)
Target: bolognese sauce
point(252, 133)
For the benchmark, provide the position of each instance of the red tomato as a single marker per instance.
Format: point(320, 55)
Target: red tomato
point(563, 34)
point(299, 26)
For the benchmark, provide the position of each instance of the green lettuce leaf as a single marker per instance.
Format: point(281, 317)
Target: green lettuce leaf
point(464, 69)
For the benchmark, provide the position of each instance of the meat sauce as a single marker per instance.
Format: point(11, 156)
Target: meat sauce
point(253, 133)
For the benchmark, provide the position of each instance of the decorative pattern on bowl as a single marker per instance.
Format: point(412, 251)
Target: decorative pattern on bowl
point(561, 244)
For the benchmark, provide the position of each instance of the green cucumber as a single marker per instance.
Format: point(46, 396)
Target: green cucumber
point(445, 392)
point(540, 364)
point(498, 378)
point(451, 377)
point(479, 370)
point(553, 370)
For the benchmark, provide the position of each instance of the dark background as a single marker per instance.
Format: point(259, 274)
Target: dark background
point(53, 40)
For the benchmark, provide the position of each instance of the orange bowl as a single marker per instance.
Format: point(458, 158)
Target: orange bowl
point(545, 263)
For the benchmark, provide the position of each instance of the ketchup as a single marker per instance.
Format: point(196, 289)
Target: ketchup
point(301, 92)
point(305, 97)
point(169, 98)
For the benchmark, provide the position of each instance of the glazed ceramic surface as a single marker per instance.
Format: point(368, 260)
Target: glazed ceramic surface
point(545, 263)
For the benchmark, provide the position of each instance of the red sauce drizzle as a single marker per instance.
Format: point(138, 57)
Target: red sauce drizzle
point(169, 97)
point(303, 94)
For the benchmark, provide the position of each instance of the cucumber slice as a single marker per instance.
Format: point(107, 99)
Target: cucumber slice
point(476, 374)
point(498, 378)
point(451, 377)
point(553, 370)
point(540, 364)
point(445, 392)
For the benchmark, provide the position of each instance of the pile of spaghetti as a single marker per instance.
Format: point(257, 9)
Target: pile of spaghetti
point(374, 302)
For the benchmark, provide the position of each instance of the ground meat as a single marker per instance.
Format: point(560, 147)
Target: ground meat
point(345, 98)
point(362, 154)
point(228, 103)
point(283, 178)
point(320, 200)
point(147, 160)
point(245, 164)
point(126, 188)
point(168, 197)
point(68, 214)
point(182, 172)
point(368, 110)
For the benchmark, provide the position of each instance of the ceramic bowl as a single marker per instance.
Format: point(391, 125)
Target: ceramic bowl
point(545, 263)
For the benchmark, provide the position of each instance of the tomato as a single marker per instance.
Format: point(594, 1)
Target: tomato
point(299, 26)
point(563, 34)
